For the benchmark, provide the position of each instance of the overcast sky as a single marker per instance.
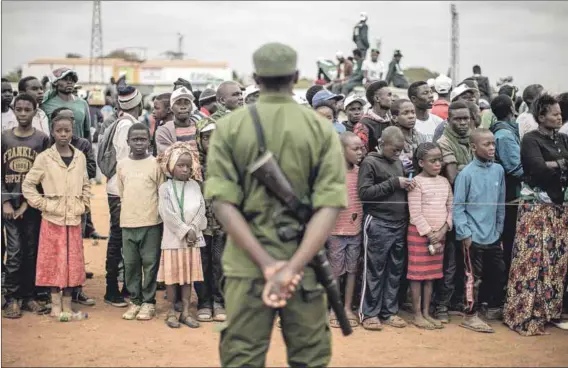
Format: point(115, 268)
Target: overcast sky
point(528, 40)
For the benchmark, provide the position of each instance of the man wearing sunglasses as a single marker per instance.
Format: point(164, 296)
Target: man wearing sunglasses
point(63, 81)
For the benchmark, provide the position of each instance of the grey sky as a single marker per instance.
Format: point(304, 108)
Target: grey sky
point(528, 40)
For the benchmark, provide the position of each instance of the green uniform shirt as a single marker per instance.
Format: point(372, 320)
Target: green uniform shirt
point(305, 145)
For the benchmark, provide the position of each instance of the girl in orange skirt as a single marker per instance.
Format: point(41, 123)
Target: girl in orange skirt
point(60, 170)
point(182, 209)
point(430, 207)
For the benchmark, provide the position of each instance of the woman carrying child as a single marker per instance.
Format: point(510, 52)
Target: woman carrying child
point(430, 207)
point(60, 170)
point(182, 209)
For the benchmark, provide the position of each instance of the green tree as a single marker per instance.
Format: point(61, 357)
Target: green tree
point(72, 55)
point(173, 55)
point(419, 74)
point(14, 76)
point(121, 54)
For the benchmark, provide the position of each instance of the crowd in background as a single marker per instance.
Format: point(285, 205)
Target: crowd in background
point(457, 198)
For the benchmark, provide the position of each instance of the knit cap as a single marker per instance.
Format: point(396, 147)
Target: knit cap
point(179, 94)
point(129, 97)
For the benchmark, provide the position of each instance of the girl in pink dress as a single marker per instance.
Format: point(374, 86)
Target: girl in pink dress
point(430, 206)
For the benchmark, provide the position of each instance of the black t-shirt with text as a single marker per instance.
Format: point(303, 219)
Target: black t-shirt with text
point(18, 156)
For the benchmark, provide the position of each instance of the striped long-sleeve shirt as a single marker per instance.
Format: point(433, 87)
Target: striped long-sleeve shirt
point(430, 204)
point(350, 219)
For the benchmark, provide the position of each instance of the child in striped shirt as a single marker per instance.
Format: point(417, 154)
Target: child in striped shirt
point(344, 244)
point(430, 207)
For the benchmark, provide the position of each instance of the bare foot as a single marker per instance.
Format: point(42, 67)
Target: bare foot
point(55, 311)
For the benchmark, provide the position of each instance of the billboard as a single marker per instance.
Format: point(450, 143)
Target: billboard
point(129, 71)
point(150, 76)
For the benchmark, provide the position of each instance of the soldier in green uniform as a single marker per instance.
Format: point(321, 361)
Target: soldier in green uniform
point(256, 260)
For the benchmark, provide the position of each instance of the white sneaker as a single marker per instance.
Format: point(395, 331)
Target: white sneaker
point(563, 325)
point(132, 312)
point(147, 312)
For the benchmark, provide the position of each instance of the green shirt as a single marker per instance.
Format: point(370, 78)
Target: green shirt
point(81, 114)
point(487, 119)
point(306, 147)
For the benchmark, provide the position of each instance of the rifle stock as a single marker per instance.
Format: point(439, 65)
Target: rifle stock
point(267, 171)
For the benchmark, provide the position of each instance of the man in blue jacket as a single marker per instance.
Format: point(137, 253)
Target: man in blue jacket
point(508, 154)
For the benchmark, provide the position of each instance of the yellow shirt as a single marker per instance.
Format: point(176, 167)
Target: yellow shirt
point(138, 184)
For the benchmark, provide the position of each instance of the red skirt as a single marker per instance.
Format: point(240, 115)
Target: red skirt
point(60, 260)
point(422, 265)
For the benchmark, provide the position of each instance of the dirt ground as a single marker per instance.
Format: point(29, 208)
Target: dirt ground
point(107, 340)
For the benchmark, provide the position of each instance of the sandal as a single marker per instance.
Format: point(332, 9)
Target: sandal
point(395, 321)
point(172, 320)
point(13, 310)
point(423, 323)
point(219, 314)
point(352, 318)
point(33, 306)
point(372, 324)
point(474, 323)
point(205, 315)
point(333, 322)
point(437, 324)
point(189, 321)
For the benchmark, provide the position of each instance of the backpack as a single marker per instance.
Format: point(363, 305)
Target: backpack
point(106, 155)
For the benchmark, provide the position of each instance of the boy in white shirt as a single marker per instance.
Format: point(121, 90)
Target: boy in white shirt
point(373, 69)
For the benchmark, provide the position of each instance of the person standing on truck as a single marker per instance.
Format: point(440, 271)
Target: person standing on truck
point(361, 34)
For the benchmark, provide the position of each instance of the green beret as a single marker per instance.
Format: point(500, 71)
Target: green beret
point(274, 60)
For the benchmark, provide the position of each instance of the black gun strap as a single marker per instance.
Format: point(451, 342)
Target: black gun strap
point(258, 128)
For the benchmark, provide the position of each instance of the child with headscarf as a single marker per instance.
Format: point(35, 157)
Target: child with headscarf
point(182, 209)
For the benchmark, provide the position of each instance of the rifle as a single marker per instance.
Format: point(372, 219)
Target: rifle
point(267, 171)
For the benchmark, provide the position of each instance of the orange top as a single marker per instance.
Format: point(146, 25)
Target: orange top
point(440, 108)
point(350, 219)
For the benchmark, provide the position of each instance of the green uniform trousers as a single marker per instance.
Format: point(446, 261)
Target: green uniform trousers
point(141, 252)
point(305, 328)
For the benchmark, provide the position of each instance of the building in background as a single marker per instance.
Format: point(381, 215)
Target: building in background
point(149, 76)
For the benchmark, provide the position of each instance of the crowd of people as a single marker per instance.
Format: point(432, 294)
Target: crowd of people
point(456, 200)
point(471, 218)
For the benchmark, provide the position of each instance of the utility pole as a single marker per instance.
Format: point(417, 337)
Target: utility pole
point(455, 50)
point(96, 64)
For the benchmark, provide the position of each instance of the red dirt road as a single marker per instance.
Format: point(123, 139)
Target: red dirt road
point(107, 340)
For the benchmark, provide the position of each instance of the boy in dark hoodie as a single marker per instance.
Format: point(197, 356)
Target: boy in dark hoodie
point(382, 189)
point(508, 154)
point(372, 124)
point(210, 303)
